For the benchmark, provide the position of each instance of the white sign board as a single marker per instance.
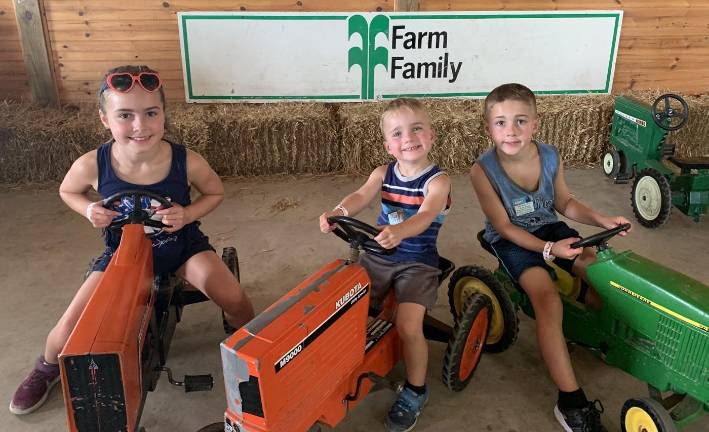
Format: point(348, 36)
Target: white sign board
point(257, 57)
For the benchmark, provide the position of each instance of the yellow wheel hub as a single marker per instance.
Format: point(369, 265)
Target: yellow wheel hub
point(469, 285)
point(638, 420)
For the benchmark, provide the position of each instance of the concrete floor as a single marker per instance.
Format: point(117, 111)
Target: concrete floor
point(273, 223)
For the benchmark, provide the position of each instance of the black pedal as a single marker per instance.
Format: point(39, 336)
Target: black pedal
point(198, 383)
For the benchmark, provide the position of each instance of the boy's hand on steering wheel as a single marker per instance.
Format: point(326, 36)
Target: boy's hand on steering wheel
point(610, 222)
point(563, 249)
point(325, 227)
point(174, 217)
point(389, 237)
point(98, 215)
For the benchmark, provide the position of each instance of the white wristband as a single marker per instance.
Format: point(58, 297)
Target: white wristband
point(88, 210)
point(342, 209)
point(546, 254)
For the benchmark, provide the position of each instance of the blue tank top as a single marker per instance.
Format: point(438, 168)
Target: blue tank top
point(401, 198)
point(527, 210)
point(173, 187)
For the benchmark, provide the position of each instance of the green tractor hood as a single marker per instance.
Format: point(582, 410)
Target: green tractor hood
point(643, 291)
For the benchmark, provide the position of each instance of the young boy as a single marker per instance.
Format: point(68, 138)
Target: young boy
point(414, 200)
point(520, 185)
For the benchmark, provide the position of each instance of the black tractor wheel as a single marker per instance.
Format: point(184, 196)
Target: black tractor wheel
point(466, 345)
point(231, 259)
point(214, 427)
point(613, 163)
point(651, 198)
point(504, 323)
point(647, 415)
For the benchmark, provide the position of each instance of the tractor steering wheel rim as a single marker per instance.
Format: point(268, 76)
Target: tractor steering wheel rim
point(138, 215)
point(668, 112)
point(600, 238)
point(358, 234)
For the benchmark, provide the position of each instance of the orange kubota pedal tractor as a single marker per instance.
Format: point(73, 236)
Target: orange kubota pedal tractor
point(119, 346)
point(315, 353)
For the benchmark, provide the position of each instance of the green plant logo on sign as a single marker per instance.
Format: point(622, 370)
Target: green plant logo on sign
point(368, 56)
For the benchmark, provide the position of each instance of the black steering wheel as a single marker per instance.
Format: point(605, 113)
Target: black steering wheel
point(138, 215)
point(678, 117)
point(599, 240)
point(358, 234)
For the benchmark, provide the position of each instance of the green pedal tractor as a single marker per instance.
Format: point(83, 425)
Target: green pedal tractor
point(653, 324)
point(640, 150)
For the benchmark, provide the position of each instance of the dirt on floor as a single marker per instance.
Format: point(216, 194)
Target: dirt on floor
point(272, 222)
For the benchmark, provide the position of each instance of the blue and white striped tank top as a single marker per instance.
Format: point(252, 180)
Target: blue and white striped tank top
point(401, 198)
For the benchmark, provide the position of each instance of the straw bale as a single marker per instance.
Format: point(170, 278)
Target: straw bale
point(40, 144)
point(260, 139)
point(577, 125)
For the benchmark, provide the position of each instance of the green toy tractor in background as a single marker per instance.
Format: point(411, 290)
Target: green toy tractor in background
point(653, 324)
point(640, 149)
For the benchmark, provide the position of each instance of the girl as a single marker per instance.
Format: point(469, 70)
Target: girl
point(132, 106)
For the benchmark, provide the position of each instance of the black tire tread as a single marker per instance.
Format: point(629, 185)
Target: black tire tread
point(473, 306)
point(657, 412)
point(509, 309)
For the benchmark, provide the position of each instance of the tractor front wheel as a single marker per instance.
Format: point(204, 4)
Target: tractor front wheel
point(466, 345)
point(651, 198)
point(504, 324)
point(613, 163)
point(231, 260)
point(645, 415)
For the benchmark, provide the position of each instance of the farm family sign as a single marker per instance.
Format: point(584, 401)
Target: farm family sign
point(237, 57)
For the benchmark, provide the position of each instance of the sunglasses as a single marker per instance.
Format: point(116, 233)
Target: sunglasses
point(124, 81)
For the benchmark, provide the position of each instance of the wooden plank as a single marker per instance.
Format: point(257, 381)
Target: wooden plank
point(217, 5)
point(95, 26)
point(172, 68)
point(141, 46)
point(406, 5)
point(551, 4)
point(35, 51)
point(69, 36)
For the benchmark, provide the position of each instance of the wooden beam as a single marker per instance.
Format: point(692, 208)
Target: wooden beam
point(406, 5)
point(34, 51)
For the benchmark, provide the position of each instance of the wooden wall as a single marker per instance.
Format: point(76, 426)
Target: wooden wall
point(664, 43)
point(13, 74)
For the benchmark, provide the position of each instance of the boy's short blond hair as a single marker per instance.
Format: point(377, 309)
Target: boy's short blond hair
point(510, 91)
point(402, 103)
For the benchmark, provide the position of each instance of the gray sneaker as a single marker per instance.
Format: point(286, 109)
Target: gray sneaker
point(403, 414)
point(586, 419)
point(33, 391)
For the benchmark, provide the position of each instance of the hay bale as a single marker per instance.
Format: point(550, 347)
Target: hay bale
point(285, 138)
point(577, 125)
point(38, 145)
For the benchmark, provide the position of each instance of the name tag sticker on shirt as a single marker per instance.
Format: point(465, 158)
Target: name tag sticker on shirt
point(523, 206)
point(396, 217)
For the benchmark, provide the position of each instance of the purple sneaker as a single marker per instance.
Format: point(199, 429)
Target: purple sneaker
point(34, 390)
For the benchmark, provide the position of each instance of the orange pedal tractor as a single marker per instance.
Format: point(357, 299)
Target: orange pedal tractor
point(315, 353)
point(119, 346)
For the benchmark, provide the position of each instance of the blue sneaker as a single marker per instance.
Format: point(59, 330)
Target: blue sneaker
point(403, 414)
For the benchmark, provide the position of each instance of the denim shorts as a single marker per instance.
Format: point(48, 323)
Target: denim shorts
point(170, 250)
point(516, 259)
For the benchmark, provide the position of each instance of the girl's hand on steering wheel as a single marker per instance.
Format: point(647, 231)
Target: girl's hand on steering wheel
point(175, 217)
point(99, 216)
point(325, 226)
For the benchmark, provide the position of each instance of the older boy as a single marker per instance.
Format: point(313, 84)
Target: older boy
point(520, 186)
point(414, 201)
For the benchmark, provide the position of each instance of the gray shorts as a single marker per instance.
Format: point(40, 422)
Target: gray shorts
point(413, 282)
